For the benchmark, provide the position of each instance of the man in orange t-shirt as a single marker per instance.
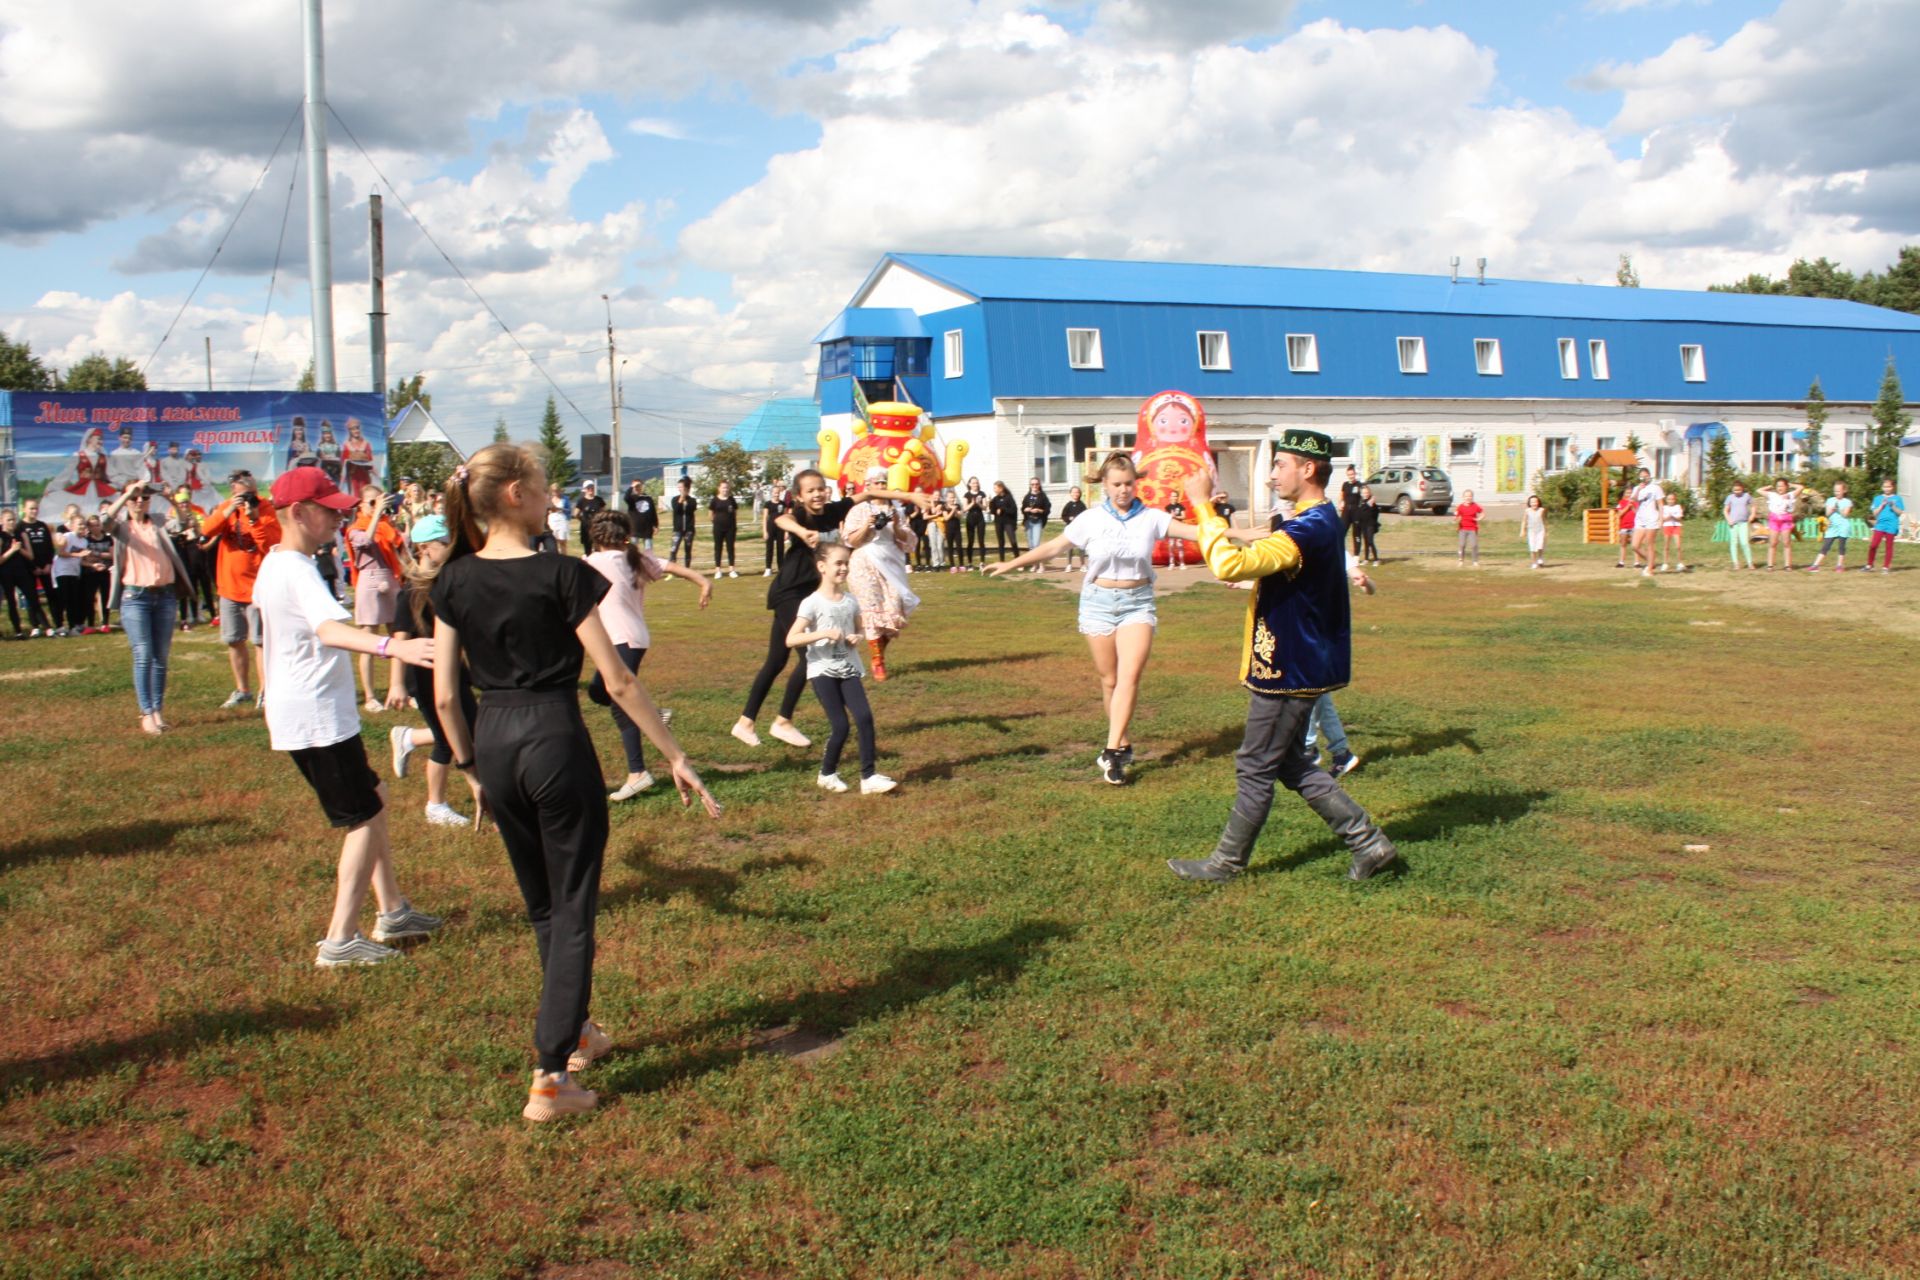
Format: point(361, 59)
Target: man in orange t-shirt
point(245, 529)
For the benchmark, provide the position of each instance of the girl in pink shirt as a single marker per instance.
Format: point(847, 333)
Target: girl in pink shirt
point(628, 570)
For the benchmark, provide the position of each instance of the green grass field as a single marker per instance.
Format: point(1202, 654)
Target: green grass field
point(1560, 1044)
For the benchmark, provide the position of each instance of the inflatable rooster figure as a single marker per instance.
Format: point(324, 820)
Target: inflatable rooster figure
point(1170, 444)
point(901, 440)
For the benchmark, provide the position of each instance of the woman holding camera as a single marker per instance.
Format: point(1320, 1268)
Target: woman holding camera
point(376, 567)
point(881, 537)
point(145, 569)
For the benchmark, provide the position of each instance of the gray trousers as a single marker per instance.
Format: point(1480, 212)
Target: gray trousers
point(1275, 749)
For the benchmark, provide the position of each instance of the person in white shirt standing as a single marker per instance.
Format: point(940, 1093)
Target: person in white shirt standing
point(311, 714)
point(1117, 612)
point(1648, 498)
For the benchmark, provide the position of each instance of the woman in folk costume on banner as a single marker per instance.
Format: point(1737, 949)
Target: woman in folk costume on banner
point(1170, 445)
point(327, 449)
point(200, 491)
point(84, 477)
point(297, 446)
point(881, 539)
point(357, 454)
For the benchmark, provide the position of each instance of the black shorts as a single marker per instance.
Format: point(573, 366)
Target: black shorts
point(348, 788)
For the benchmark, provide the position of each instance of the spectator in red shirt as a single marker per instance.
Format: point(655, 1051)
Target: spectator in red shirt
point(244, 529)
point(1626, 507)
point(1469, 513)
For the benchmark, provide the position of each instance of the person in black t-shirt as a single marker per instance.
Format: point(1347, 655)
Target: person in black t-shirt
point(1001, 508)
point(1068, 514)
point(725, 510)
point(36, 539)
point(773, 541)
point(643, 511)
point(812, 520)
point(1350, 503)
point(523, 623)
point(590, 505)
point(16, 575)
point(684, 505)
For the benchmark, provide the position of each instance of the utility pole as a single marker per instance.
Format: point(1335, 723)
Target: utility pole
point(319, 228)
point(613, 397)
point(209, 340)
point(377, 317)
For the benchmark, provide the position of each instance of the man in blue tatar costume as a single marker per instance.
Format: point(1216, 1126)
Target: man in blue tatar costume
point(1297, 647)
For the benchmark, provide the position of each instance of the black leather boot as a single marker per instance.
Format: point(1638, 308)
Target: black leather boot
point(1228, 859)
point(1372, 851)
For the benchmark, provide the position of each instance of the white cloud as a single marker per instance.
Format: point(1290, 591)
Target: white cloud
point(654, 127)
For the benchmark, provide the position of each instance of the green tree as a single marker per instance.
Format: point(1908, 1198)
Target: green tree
point(553, 442)
point(1626, 277)
point(429, 462)
point(307, 379)
point(1810, 444)
point(405, 392)
point(20, 369)
point(774, 464)
point(1720, 472)
point(97, 373)
point(1634, 444)
point(723, 459)
point(1899, 288)
point(1890, 422)
point(500, 435)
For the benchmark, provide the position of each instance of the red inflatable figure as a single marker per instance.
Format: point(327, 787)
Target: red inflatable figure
point(1170, 444)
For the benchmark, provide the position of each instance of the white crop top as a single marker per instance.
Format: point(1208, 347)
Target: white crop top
point(1116, 547)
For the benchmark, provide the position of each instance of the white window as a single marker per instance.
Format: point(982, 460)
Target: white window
point(1083, 349)
point(1597, 360)
point(1213, 350)
point(1603, 443)
point(1486, 356)
point(1413, 355)
point(1569, 359)
point(1769, 452)
point(956, 354)
point(1853, 451)
point(1341, 451)
point(1403, 449)
point(1663, 464)
point(1693, 362)
point(1303, 353)
point(1051, 455)
point(1554, 453)
point(1462, 449)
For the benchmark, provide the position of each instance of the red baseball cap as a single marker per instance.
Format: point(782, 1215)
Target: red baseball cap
point(310, 484)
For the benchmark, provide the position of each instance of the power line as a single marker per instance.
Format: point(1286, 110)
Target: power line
point(231, 224)
point(292, 181)
point(447, 258)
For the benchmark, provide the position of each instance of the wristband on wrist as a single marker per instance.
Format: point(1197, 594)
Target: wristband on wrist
point(463, 765)
point(381, 652)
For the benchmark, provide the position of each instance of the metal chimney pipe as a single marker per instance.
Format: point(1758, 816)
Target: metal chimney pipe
point(319, 229)
point(1483, 271)
point(377, 276)
point(1456, 268)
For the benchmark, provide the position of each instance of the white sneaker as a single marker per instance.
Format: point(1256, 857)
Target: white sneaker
point(745, 733)
point(407, 922)
point(400, 738)
point(831, 782)
point(236, 699)
point(666, 715)
point(878, 784)
point(444, 815)
point(357, 950)
point(766, 573)
point(790, 735)
point(632, 787)
point(733, 573)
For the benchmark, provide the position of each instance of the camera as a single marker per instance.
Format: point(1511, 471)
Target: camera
point(882, 520)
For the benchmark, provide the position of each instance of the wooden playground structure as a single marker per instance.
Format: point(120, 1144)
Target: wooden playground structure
point(1603, 522)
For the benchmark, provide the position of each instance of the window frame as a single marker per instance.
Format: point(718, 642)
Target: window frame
point(1777, 461)
point(1849, 456)
point(1569, 360)
point(1224, 362)
point(1419, 362)
point(1410, 459)
point(1494, 368)
point(1695, 369)
point(1599, 369)
point(1549, 445)
point(954, 352)
point(1473, 437)
point(1096, 358)
point(1340, 450)
point(1663, 463)
point(1311, 363)
point(1052, 455)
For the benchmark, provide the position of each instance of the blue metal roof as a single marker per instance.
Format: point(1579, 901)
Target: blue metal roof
point(1180, 283)
point(873, 322)
point(791, 423)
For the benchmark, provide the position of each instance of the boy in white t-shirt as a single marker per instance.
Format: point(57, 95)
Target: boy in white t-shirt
point(311, 713)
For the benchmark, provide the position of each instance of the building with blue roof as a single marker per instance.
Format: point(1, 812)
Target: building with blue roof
point(1041, 363)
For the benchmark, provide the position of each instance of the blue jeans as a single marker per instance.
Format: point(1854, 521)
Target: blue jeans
point(147, 616)
point(1324, 719)
point(1035, 528)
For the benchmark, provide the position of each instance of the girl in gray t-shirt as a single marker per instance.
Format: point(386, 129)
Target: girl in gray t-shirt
point(827, 626)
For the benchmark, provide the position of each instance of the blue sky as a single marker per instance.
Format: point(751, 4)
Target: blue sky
point(715, 173)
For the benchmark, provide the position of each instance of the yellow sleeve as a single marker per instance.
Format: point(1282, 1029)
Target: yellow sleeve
point(1243, 561)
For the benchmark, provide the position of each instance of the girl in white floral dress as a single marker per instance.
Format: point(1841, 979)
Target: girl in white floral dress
point(881, 539)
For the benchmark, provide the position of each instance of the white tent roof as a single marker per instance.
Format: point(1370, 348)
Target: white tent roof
point(416, 425)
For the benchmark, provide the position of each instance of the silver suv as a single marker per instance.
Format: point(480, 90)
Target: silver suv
point(1409, 488)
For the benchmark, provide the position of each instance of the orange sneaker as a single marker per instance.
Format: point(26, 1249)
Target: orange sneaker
point(878, 650)
point(548, 1099)
point(594, 1043)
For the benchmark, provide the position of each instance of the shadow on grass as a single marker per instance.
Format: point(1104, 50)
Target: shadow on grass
point(1221, 742)
point(179, 1035)
point(1422, 744)
point(957, 664)
point(143, 835)
point(941, 770)
point(1435, 819)
point(713, 887)
point(999, 723)
point(913, 976)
